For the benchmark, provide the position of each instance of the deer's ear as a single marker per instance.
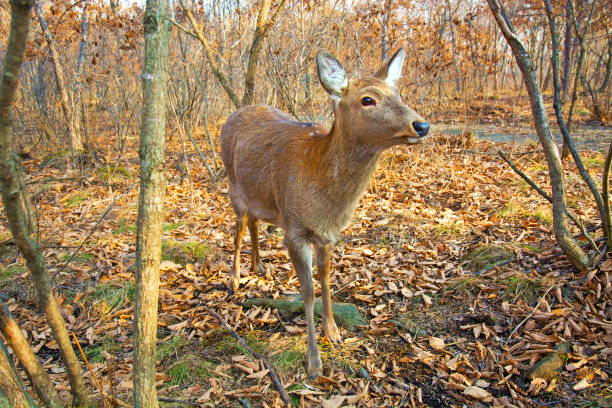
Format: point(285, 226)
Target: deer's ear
point(391, 70)
point(331, 74)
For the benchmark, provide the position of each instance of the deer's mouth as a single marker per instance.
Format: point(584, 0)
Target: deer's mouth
point(410, 140)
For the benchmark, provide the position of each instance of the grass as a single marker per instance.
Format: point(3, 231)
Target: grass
point(76, 199)
point(112, 295)
point(95, 352)
point(170, 347)
point(185, 252)
point(466, 285)
point(78, 258)
point(486, 256)
point(513, 212)
point(169, 226)
point(8, 274)
point(123, 226)
point(449, 230)
point(522, 286)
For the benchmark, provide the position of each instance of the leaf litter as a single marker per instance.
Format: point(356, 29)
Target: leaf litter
point(439, 332)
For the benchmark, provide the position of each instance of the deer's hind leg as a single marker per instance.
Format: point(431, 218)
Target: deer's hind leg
point(241, 223)
point(253, 224)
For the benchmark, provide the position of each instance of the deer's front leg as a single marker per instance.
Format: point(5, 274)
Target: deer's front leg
point(301, 256)
point(327, 316)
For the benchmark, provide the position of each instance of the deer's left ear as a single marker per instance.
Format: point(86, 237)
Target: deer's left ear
point(391, 70)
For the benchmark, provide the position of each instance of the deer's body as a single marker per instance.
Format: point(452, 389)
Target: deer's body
point(308, 180)
point(308, 184)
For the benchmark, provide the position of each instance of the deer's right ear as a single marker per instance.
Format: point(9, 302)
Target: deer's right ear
point(331, 74)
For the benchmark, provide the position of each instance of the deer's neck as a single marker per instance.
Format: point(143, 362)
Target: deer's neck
point(345, 169)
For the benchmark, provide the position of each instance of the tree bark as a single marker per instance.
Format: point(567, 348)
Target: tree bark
point(570, 248)
point(567, 54)
point(261, 30)
point(11, 187)
point(38, 376)
point(606, 79)
point(384, 46)
point(73, 134)
point(156, 24)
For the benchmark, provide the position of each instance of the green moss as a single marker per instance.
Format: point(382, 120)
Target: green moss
point(109, 172)
point(76, 199)
point(593, 161)
point(185, 252)
point(78, 258)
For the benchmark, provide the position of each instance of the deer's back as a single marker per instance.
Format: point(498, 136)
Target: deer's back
point(263, 150)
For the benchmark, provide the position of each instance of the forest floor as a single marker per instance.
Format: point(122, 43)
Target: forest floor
point(449, 257)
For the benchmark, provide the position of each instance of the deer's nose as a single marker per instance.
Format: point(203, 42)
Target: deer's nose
point(421, 128)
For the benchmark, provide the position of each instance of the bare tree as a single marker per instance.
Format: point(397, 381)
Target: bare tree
point(73, 133)
point(151, 201)
point(262, 28)
point(13, 195)
point(569, 246)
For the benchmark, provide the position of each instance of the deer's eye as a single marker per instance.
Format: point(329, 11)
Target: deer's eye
point(367, 101)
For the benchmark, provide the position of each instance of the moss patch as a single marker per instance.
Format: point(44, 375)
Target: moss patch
point(185, 252)
point(486, 256)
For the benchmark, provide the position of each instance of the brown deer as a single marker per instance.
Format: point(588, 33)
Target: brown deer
point(308, 180)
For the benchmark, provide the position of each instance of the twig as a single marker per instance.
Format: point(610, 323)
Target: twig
point(549, 198)
point(93, 229)
point(559, 253)
point(272, 373)
point(177, 401)
point(51, 180)
point(530, 314)
point(212, 174)
point(93, 375)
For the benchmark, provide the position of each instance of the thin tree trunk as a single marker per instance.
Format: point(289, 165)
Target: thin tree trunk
point(567, 54)
point(606, 79)
point(210, 56)
point(12, 195)
point(156, 24)
point(41, 382)
point(77, 100)
point(73, 134)
point(570, 248)
point(384, 46)
point(261, 31)
point(453, 48)
point(580, 38)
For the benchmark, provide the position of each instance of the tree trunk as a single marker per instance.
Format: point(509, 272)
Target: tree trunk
point(156, 24)
point(606, 79)
point(567, 54)
point(73, 134)
point(38, 376)
point(261, 30)
point(12, 194)
point(570, 248)
point(384, 46)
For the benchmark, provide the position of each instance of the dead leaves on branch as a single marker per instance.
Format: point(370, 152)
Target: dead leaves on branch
point(436, 334)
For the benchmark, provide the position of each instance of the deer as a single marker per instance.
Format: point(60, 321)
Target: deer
point(308, 180)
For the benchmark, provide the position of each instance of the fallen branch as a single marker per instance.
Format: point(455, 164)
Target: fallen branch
point(272, 373)
point(530, 314)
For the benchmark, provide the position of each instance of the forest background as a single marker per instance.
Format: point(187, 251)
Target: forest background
point(450, 256)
